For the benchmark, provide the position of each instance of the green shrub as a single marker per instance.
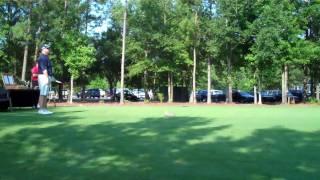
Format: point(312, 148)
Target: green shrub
point(98, 82)
point(313, 100)
point(160, 97)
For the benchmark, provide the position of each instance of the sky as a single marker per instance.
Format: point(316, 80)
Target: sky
point(101, 11)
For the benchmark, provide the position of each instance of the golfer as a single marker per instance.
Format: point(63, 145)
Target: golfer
point(44, 73)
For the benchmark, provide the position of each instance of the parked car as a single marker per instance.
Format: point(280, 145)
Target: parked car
point(95, 93)
point(109, 95)
point(298, 95)
point(216, 96)
point(140, 93)
point(92, 93)
point(268, 97)
point(128, 95)
point(201, 95)
point(295, 95)
point(79, 94)
point(242, 97)
point(102, 93)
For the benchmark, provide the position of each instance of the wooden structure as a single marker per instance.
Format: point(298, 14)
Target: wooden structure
point(20, 95)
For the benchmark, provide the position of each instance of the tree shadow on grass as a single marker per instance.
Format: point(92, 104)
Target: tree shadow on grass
point(31, 117)
point(157, 148)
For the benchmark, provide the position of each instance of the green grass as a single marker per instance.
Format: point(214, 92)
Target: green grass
point(199, 142)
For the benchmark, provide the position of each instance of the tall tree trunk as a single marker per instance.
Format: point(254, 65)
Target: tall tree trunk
point(312, 85)
point(26, 46)
point(36, 52)
point(284, 87)
point(145, 79)
point(260, 97)
point(305, 83)
point(65, 6)
point(65, 13)
point(15, 67)
point(154, 82)
point(65, 19)
point(87, 15)
point(83, 90)
point(146, 85)
point(259, 89)
point(37, 44)
point(255, 88)
point(230, 100)
point(170, 87)
point(286, 81)
point(318, 92)
point(193, 99)
point(71, 89)
point(24, 66)
point(123, 52)
point(255, 94)
point(209, 81)
point(229, 78)
point(111, 86)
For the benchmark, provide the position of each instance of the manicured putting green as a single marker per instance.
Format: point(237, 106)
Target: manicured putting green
point(161, 142)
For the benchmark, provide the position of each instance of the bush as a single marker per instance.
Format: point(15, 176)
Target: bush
point(160, 97)
point(146, 100)
point(313, 100)
point(98, 82)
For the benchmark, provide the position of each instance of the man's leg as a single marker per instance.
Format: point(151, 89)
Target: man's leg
point(45, 102)
point(44, 90)
point(41, 108)
point(40, 102)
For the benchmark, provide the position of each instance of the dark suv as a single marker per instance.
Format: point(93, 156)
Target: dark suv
point(128, 95)
point(92, 93)
point(242, 97)
point(216, 96)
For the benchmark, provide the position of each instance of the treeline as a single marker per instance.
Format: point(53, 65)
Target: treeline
point(197, 44)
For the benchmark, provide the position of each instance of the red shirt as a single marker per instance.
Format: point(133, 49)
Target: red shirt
point(34, 71)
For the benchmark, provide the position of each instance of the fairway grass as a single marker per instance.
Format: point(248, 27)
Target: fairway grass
point(161, 142)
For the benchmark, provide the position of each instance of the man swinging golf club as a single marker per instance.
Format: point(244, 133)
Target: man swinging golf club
point(45, 72)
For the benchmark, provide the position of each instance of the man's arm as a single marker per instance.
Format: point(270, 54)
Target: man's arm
point(45, 72)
